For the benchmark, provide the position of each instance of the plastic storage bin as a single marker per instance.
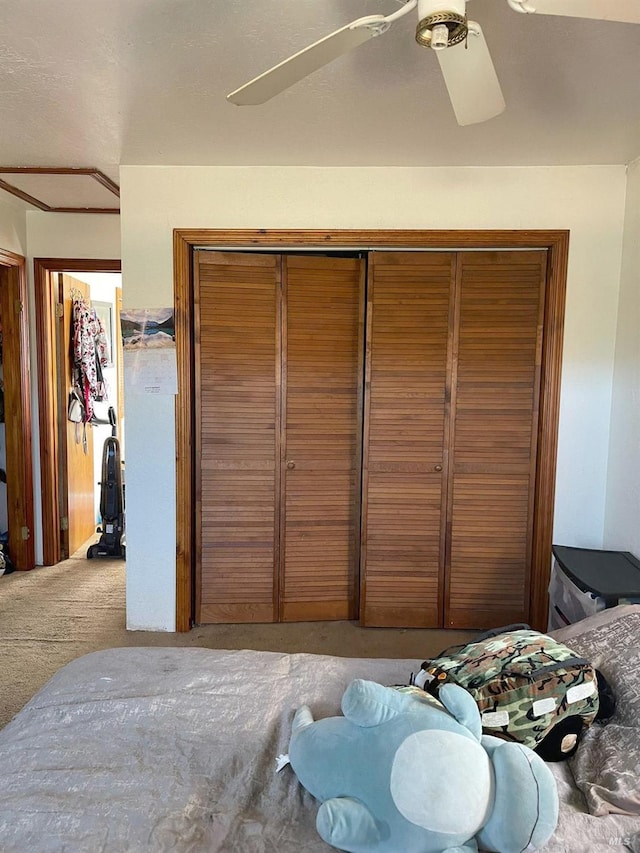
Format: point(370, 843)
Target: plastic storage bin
point(585, 581)
point(567, 602)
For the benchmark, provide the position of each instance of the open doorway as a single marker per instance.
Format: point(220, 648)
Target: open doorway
point(71, 451)
point(91, 462)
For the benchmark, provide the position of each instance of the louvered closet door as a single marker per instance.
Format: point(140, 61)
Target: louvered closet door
point(237, 429)
point(278, 344)
point(496, 391)
point(406, 417)
point(321, 444)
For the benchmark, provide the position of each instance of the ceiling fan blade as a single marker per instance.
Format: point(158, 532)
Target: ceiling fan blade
point(471, 79)
point(303, 63)
point(627, 11)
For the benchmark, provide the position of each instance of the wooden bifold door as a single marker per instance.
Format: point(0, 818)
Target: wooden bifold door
point(278, 350)
point(454, 344)
point(385, 473)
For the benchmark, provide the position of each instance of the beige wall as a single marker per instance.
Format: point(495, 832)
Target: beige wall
point(13, 225)
point(622, 520)
point(587, 200)
point(73, 235)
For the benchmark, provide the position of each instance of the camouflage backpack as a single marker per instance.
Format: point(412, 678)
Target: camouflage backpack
point(524, 683)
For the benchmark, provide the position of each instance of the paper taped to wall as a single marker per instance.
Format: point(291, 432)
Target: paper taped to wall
point(151, 371)
point(149, 342)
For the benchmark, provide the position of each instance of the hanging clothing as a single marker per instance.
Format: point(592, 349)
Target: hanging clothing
point(89, 355)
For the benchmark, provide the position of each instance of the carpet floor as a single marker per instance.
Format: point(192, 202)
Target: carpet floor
point(54, 614)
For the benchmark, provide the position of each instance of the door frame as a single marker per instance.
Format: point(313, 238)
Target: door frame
point(46, 297)
point(556, 242)
point(17, 401)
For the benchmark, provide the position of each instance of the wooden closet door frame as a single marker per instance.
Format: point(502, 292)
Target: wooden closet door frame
point(556, 242)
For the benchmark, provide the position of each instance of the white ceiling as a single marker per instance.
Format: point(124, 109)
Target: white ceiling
point(97, 83)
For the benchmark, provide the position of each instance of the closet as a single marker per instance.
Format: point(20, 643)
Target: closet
point(278, 348)
point(454, 342)
point(387, 473)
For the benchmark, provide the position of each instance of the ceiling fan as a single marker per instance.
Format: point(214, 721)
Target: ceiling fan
point(465, 61)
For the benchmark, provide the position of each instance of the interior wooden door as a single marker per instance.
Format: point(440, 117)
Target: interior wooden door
point(278, 348)
point(321, 446)
point(238, 420)
point(496, 386)
point(407, 388)
point(77, 475)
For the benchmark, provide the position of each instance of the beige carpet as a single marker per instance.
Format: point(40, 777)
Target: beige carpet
point(51, 615)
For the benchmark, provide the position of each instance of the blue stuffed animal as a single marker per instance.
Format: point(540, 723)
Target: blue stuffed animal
point(402, 772)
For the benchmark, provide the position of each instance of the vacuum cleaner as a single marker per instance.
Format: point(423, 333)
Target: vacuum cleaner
point(112, 540)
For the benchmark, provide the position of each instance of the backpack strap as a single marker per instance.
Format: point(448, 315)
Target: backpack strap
point(506, 629)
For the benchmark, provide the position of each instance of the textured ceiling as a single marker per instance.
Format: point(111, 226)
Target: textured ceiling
point(103, 82)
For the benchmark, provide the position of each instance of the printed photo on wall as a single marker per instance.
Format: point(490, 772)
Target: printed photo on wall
point(149, 341)
point(148, 328)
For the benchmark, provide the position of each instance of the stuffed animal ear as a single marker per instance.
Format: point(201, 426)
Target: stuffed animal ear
point(366, 703)
point(302, 719)
point(462, 706)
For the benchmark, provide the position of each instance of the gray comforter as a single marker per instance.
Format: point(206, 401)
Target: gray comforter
point(174, 749)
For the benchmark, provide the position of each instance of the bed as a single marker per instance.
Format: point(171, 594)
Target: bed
point(154, 749)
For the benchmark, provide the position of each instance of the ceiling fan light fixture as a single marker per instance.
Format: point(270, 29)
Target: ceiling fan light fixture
point(430, 31)
point(439, 37)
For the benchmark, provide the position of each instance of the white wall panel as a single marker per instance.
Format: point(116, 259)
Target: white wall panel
point(622, 519)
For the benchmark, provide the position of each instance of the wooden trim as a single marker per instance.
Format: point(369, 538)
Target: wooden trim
point(61, 337)
point(79, 264)
point(555, 241)
point(17, 404)
point(549, 409)
point(9, 188)
point(10, 259)
point(106, 182)
point(97, 175)
point(115, 210)
point(45, 290)
point(332, 240)
point(185, 482)
point(45, 294)
point(535, 436)
point(197, 439)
